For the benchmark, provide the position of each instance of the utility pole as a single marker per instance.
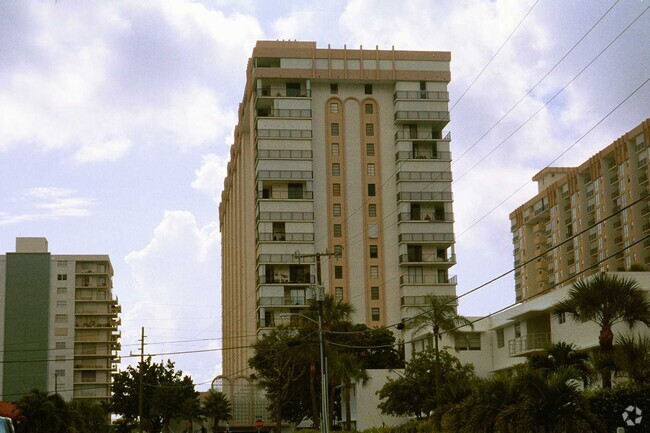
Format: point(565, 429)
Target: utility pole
point(320, 296)
point(140, 395)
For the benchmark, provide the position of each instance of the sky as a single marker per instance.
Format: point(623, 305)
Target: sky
point(116, 120)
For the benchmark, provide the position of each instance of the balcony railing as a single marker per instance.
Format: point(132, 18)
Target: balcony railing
point(274, 91)
point(284, 133)
point(280, 278)
point(421, 135)
point(286, 237)
point(426, 279)
point(283, 258)
point(528, 343)
point(299, 113)
point(286, 195)
point(284, 174)
point(424, 196)
point(422, 115)
point(280, 301)
point(283, 154)
point(424, 175)
point(426, 237)
point(422, 94)
point(285, 216)
point(440, 155)
point(426, 216)
point(424, 258)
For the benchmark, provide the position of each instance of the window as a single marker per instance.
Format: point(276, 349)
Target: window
point(61, 318)
point(59, 373)
point(501, 339)
point(374, 293)
point(279, 233)
point(336, 169)
point(61, 332)
point(561, 318)
point(374, 251)
point(370, 169)
point(338, 293)
point(335, 149)
point(336, 209)
point(370, 129)
point(371, 190)
point(61, 290)
point(61, 264)
point(338, 272)
point(373, 231)
point(374, 272)
point(88, 376)
point(62, 277)
point(59, 358)
point(468, 341)
point(367, 89)
point(336, 189)
point(368, 108)
point(295, 191)
point(370, 149)
point(338, 250)
point(334, 88)
point(293, 89)
point(334, 107)
point(517, 330)
point(59, 345)
point(374, 314)
point(337, 230)
point(61, 304)
point(372, 210)
point(334, 129)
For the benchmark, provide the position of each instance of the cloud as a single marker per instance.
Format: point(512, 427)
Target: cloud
point(210, 176)
point(48, 203)
point(111, 150)
point(175, 292)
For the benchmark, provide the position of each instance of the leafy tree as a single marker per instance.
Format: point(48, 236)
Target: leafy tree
point(278, 366)
point(632, 358)
point(217, 406)
point(44, 413)
point(562, 354)
point(415, 393)
point(89, 417)
point(606, 300)
point(165, 391)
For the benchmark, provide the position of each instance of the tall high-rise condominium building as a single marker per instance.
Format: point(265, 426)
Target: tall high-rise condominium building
point(594, 217)
point(337, 151)
point(59, 323)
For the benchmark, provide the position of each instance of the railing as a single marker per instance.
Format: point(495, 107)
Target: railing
point(277, 301)
point(284, 133)
point(424, 175)
point(424, 196)
point(286, 237)
point(422, 115)
point(441, 155)
point(421, 135)
point(280, 278)
point(284, 92)
point(284, 174)
point(407, 258)
point(528, 343)
point(426, 279)
point(426, 216)
point(283, 154)
point(285, 216)
point(286, 195)
point(301, 113)
point(283, 258)
point(426, 237)
point(421, 94)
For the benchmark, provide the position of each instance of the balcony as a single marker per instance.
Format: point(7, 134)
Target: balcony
point(282, 91)
point(428, 176)
point(285, 237)
point(285, 174)
point(284, 133)
point(421, 94)
point(421, 135)
point(420, 155)
point(424, 196)
point(283, 259)
point(283, 154)
point(289, 113)
point(442, 116)
point(424, 259)
point(522, 346)
point(426, 216)
point(426, 279)
point(282, 301)
point(443, 238)
point(285, 216)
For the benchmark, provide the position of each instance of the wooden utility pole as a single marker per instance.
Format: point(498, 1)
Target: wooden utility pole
point(140, 395)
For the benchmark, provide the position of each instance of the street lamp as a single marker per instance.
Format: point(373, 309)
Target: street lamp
point(324, 427)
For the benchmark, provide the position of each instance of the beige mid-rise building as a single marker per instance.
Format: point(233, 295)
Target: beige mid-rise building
point(594, 217)
point(341, 152)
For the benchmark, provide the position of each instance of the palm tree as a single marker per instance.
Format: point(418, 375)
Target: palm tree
point(346, 367)
point(45, 413)
point(632, 358)
point(606, 300)
point(438, 313)
point(562, 354)
point(217, 406)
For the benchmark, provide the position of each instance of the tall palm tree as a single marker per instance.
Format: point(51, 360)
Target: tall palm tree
point(438, 314)
point(217, 406)
point(562, 354)
point(347, 367)
point(606, 300)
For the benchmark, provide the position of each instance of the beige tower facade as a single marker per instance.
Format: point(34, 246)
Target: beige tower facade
point(336, 151)
point(594, 217)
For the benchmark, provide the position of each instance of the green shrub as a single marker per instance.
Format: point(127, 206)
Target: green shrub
point(609, 405)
